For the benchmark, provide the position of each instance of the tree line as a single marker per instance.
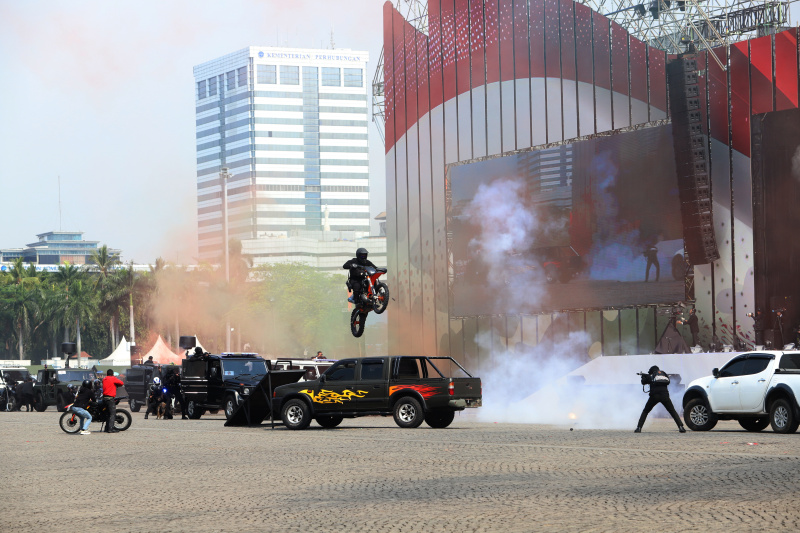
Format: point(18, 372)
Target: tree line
point(280, 310)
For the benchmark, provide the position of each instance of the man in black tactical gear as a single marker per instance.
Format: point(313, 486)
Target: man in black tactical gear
point(658, 381)
point(174, 390)
point(651, 254)
point(355, 281)
point(154, 395)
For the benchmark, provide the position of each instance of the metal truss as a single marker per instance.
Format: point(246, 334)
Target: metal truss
point(416, 13)
point(679, 26)
point(676, 26)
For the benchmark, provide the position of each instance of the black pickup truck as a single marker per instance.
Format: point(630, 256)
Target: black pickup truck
point(412, 389)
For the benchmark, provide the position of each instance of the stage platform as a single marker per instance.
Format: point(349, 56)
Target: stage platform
point(622, 369)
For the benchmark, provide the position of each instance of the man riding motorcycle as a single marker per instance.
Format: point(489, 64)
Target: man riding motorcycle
point(355, 281)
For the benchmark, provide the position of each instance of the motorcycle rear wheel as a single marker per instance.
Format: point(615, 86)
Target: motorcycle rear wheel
point(357, 321)
point(381, 297)
point(122, 420)
point(70, 423)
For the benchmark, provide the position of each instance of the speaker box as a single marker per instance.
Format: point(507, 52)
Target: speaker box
point(691, 161)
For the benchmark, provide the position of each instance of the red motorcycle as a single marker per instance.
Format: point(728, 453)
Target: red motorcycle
point(374, 297)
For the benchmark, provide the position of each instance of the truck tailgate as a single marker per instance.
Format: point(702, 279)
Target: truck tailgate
point(468, 389)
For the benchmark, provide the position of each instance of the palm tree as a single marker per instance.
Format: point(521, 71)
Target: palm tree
point(128, 285)
point(103, 263)
point(79, 306)
point(66, 276)
point(21, 302)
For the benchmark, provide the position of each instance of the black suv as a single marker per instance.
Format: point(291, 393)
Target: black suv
point(220, 381)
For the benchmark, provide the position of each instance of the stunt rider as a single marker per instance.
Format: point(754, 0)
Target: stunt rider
point(81, 404)
point(355, 281)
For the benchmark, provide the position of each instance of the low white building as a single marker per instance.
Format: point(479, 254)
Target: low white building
point(323, 250)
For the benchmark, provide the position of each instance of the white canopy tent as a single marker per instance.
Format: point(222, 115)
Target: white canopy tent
point(121, 356)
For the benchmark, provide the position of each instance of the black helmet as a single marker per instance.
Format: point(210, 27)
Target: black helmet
point(653, 370)
point(361, 254)
point(86, 384)
point(97, 384)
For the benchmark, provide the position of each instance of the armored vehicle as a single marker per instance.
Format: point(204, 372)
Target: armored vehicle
point(52, 387)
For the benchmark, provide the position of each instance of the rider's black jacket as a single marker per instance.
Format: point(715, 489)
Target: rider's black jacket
point(84, 398)
point(353, 265)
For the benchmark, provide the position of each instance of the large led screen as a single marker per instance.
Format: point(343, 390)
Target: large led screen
point(593, 224)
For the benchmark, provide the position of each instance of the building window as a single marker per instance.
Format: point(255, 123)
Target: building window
point(331, 77)
point(201, 89)
point(242, 76)
point(353, 77)
point(290, 75)
point(267, 74)
point(230, 80)
point(212, 86)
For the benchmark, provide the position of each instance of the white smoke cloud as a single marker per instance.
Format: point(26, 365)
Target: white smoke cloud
point(796, 164)
point(532, 387)
point(616, 252)
point(508, 227)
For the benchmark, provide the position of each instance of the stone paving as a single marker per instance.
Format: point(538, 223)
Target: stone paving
point(369, 475)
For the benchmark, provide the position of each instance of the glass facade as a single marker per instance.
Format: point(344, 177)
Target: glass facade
point(517, 80)
point(298, 155)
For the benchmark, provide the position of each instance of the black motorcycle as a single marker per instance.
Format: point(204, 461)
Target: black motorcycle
point(71, 422)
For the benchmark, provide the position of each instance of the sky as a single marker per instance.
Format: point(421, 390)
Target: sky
point(101, 94)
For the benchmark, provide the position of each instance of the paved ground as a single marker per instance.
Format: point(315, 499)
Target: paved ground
point(369, 475)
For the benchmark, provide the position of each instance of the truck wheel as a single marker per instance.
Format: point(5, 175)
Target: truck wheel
point(408, 413)
point(230, 406)
point(440, 419)
point(754, 424)
point(135, 406)
point(38, 402)
point(296, 414)
point(11, 404)
point(329, 421)
point(193, 411)
point(782, 418)
point(61, 405)
point(698, 416)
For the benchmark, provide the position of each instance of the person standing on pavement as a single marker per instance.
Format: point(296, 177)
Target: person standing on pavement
point(110, 384)
point(26, 393)
point(81, 404)
point(175, 390)
point(658, 381)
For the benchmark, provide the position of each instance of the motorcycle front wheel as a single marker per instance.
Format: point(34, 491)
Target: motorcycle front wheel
point(381, 297)
point(122, 420)
point(357, 321)
point(70, 423)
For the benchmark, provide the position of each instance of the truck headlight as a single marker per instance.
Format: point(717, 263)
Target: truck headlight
point(245, 391)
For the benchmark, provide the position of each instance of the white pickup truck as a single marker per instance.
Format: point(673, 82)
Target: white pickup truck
point(756, 389)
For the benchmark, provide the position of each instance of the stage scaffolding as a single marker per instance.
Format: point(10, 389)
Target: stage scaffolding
point(676, 26)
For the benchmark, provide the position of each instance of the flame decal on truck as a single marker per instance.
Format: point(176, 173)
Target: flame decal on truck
point(328, 396)
point(426, 391)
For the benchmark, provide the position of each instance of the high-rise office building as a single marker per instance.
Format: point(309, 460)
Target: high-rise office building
point(291, 126)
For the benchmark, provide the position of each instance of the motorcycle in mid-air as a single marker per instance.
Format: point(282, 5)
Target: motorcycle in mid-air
point(374, 297)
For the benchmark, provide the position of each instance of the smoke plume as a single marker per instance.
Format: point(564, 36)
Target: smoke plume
point(615, 253)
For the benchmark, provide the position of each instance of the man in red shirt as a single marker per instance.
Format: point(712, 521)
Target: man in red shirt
point(110, 384)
